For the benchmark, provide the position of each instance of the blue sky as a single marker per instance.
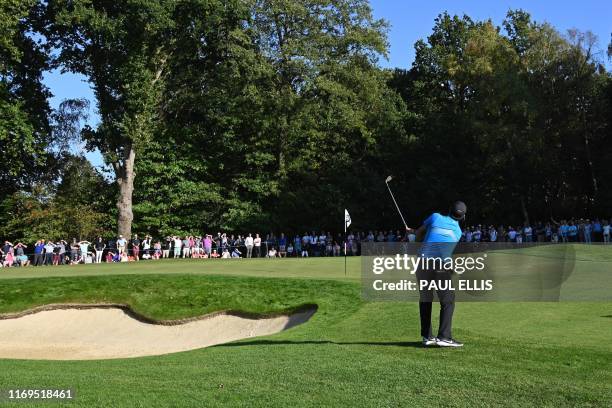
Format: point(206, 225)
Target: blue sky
point(410, 21)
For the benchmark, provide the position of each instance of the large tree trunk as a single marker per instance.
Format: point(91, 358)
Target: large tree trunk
point(125, 180)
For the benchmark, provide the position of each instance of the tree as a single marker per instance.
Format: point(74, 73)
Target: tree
point(507, 117)
point(258, 131)
point(24, 111)
point(74, 206)
point(123, 48)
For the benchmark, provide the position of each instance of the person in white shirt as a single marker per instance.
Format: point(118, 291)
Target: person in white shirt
point(272, 253)
point(49, 247)
point(84, 248)
point(257, 245)
point(178, 243)
point(225, 254)
point(121, 244)
point(248, 243)
point(606, 232)
point(528, 231)
point(305, 245)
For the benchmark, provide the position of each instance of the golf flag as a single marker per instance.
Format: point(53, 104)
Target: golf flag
point(347, 219)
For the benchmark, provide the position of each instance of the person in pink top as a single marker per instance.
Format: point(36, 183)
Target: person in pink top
point(208, 245)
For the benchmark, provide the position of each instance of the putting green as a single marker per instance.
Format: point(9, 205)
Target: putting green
point(349, 353)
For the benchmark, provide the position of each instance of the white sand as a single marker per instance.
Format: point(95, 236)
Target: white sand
point(104, 333)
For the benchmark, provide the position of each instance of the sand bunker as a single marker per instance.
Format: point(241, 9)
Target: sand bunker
point(88, 332)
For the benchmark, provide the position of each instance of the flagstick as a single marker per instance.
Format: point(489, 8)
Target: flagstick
point(344, 247)
point(347, 223)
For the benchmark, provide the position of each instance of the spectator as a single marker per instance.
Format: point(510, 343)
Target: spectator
point(492, 234)
point(146, 246)
point(548, 232)
point(572, 232)
point(257, 245)
point(249, 242)
point(511, 234)
point(306, 241)
point(84, 248)
point(518, 237)
point(7, 249)
point(136, 247)
point(186, 249)
point(167, 247)
point(39, 249)
point(177, 246)
point(157, 250)
point(282, 245)
point(9, 257)
point(121, 245)
point(587, 228)
point(225, 254)
point(527, 231)
point(62, 251)
point(49, 247)
point(20, 257)
point(597, 230)
point(564, 231)
point(56, 254)
point(208, 245)
point(99, 247)
point(297, 245)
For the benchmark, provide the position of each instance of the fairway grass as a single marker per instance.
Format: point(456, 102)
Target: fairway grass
point(350, 353)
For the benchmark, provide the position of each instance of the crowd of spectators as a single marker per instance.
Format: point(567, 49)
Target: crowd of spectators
point(222, 245)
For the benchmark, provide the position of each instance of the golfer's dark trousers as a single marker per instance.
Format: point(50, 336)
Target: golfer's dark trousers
point(447, 303)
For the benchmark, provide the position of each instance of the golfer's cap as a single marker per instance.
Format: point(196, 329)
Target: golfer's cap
point(458, 210)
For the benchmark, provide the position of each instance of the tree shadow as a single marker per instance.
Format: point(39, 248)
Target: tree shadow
point(608, 316)
point(414, 344)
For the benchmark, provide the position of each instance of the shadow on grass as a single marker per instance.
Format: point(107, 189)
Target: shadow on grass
point(608, 316)
point(416, 344)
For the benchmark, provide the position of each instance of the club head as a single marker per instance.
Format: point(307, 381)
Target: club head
point(388, 179)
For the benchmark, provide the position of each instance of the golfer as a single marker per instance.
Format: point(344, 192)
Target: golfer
point(439, 234)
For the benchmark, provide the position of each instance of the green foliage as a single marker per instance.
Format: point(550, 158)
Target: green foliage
point(244, 115)
point(28, 219)
point(74, 208)
point(276, 101)
point(509, 118)
point(24, 111)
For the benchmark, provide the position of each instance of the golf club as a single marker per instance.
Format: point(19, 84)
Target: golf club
point(387, 180)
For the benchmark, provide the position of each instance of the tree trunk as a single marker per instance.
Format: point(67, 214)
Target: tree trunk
point(125, 180)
